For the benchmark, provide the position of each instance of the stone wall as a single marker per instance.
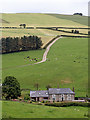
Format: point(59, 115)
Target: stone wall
point(62, 97)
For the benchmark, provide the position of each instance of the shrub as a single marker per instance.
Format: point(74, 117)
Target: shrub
point(67, 104)
point(39, 103)
point(33, 100)
point(30, 102)
point(27, 97)
point(46, 101)
point(20, 99)
point(42, 101)
point(25, 100)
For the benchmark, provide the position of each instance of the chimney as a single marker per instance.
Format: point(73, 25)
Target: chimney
point(73, 89)
point(58, 86)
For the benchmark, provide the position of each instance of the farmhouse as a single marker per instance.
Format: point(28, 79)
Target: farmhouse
point(53, 94)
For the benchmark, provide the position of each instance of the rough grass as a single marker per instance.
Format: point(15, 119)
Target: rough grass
point(67, 65)
point(75, 18)
point(24, 110)
point(37, 19)
point(46, 35)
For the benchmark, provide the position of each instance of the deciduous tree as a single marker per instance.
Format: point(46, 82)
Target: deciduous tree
point(11, 88)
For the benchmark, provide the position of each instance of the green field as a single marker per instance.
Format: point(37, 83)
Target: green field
point(67, 65)
point(46, 35)
point(37, 19)
point(43, 20)
point(75, 18)
point(24, 110)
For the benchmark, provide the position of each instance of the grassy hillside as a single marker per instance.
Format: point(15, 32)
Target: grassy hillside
point(37, 19)
point(67, 65)
point(75, 18)
point(24, 110)
point(46, 35)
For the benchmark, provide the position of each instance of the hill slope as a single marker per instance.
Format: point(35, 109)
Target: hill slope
point(37, 19)
point(67, 65)
point(75, 18)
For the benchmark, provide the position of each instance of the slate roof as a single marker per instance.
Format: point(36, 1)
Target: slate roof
point(60, 91)
point(46, 93)
point(41, 93)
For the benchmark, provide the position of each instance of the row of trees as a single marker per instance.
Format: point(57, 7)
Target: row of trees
point(78, 14)
point(15, 44)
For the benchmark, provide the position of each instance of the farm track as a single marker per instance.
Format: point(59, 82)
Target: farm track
point(43, 59)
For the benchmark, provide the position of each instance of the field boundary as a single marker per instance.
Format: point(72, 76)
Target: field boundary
point(51, 41)
point(68, 31)
point(75, 36)
point(43, 28)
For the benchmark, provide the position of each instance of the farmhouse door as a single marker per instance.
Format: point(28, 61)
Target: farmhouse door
point(62, 98)
point(37, 98)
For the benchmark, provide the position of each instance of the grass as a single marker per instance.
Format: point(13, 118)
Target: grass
point(67, 65)
point(37, 19)
point(20, 58)
point(84, 31)
point(75, 18)
point(23, 110)
point(46, 35)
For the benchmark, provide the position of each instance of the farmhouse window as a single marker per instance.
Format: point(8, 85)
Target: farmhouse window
point(68, 97)
point(53, 97)
point(60, 97)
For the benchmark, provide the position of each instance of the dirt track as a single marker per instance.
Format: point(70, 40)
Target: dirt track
point(43, 59)
point(46, 51)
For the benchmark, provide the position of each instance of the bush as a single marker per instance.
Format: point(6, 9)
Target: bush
point(25, 100)
point(43, 101)
point(27, 97)
point(87, 115)
point(20, 99)
point(67, 104)
point(47, 101)
point(33, 100)
point(30, 102)
point(39, 103)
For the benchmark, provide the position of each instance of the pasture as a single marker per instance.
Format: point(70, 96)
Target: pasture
point(75, 18)
point(66, 65)
point(37, 19)
point(45, 34)
point(43, 20)
point(23, 110)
